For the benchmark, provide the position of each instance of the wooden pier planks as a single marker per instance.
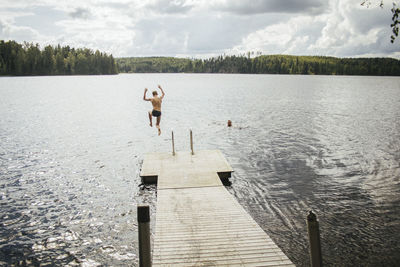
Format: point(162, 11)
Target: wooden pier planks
point(198, 222)
point(185, 169)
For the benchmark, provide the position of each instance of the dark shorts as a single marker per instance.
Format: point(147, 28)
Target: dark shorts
point(156, 113)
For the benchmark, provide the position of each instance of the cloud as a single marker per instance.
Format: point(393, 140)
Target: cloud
point(10, 15)
point(353, 31)
point(197, 34)
point(246, 7)
point(199, 28)
point(292, 36)
point(8, 31)
point(102, 30)
point(345, 31)
point(170, 7)
point(80, 12)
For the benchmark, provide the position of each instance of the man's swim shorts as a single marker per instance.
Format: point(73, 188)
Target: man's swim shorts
point(156, 113)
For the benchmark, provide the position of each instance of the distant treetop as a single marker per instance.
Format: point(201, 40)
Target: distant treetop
point(267, 64)
point(29, 59)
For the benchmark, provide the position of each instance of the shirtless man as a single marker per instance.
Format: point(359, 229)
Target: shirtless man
point(156, 102)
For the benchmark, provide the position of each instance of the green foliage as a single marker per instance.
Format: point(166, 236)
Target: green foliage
point(395, 25)
point(271, 64)
point(395, 17)
point(154, 64)
point(29, 59)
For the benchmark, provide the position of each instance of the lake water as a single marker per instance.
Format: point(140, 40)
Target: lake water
point(71, 149)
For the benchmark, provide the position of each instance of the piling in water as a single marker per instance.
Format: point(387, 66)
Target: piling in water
point(313, 236)
point(143, 217)
point(173, 144)
point(191, 141)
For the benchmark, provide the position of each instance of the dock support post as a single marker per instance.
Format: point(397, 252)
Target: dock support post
point(143, 216)
point(173, 144)
point(314, 239)
point(191, 141)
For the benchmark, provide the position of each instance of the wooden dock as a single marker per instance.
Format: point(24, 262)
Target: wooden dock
point(198, 222)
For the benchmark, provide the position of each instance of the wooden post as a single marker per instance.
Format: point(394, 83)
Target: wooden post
point(191, 141)
point(313, 236)
point(173, 144)
point(143, 217)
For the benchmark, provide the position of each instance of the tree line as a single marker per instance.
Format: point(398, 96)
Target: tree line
point(29, 59)
point(263, 64)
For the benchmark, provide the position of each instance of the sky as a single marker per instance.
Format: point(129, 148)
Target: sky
point(202, 29)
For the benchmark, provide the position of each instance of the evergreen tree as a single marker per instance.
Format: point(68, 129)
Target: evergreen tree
point(29, 59)
point(272, 64)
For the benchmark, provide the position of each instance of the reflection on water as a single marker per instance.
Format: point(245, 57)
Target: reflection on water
point(71, 149)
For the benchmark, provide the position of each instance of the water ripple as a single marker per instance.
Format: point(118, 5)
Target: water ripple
point(72, 148)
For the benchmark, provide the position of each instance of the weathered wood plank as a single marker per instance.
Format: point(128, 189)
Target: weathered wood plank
point(198, 222)
point(184, 169)
point(232, 237)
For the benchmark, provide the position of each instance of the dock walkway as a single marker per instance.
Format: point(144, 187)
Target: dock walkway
point(198, 222)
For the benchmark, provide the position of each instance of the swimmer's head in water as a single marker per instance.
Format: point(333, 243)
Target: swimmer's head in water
point(155, 93)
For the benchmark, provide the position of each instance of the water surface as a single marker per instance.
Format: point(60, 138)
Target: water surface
point(71, 150)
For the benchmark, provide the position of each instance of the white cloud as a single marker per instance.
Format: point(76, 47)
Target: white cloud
point(267, 39)
point(269, 6)
point(170, 6)
point(345, 30)
point(10, 31)
point(354, 31)
point(199, 28)
point(283, 38)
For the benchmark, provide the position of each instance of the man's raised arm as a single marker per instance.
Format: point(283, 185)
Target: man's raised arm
point(162, 91)
point(144, 96)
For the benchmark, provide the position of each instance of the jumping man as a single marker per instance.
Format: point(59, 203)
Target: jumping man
point(156, 102)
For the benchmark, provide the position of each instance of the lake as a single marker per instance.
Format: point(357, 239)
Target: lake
point(71, 150)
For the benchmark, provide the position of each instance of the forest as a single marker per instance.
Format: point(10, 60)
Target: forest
point(28, 59)
point(263, 64)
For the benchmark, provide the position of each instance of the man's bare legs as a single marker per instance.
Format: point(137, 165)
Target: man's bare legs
point(158, 124)
point(151, 119)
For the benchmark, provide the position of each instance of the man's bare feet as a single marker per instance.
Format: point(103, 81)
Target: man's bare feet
point(159, 131)
point(151, 124)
